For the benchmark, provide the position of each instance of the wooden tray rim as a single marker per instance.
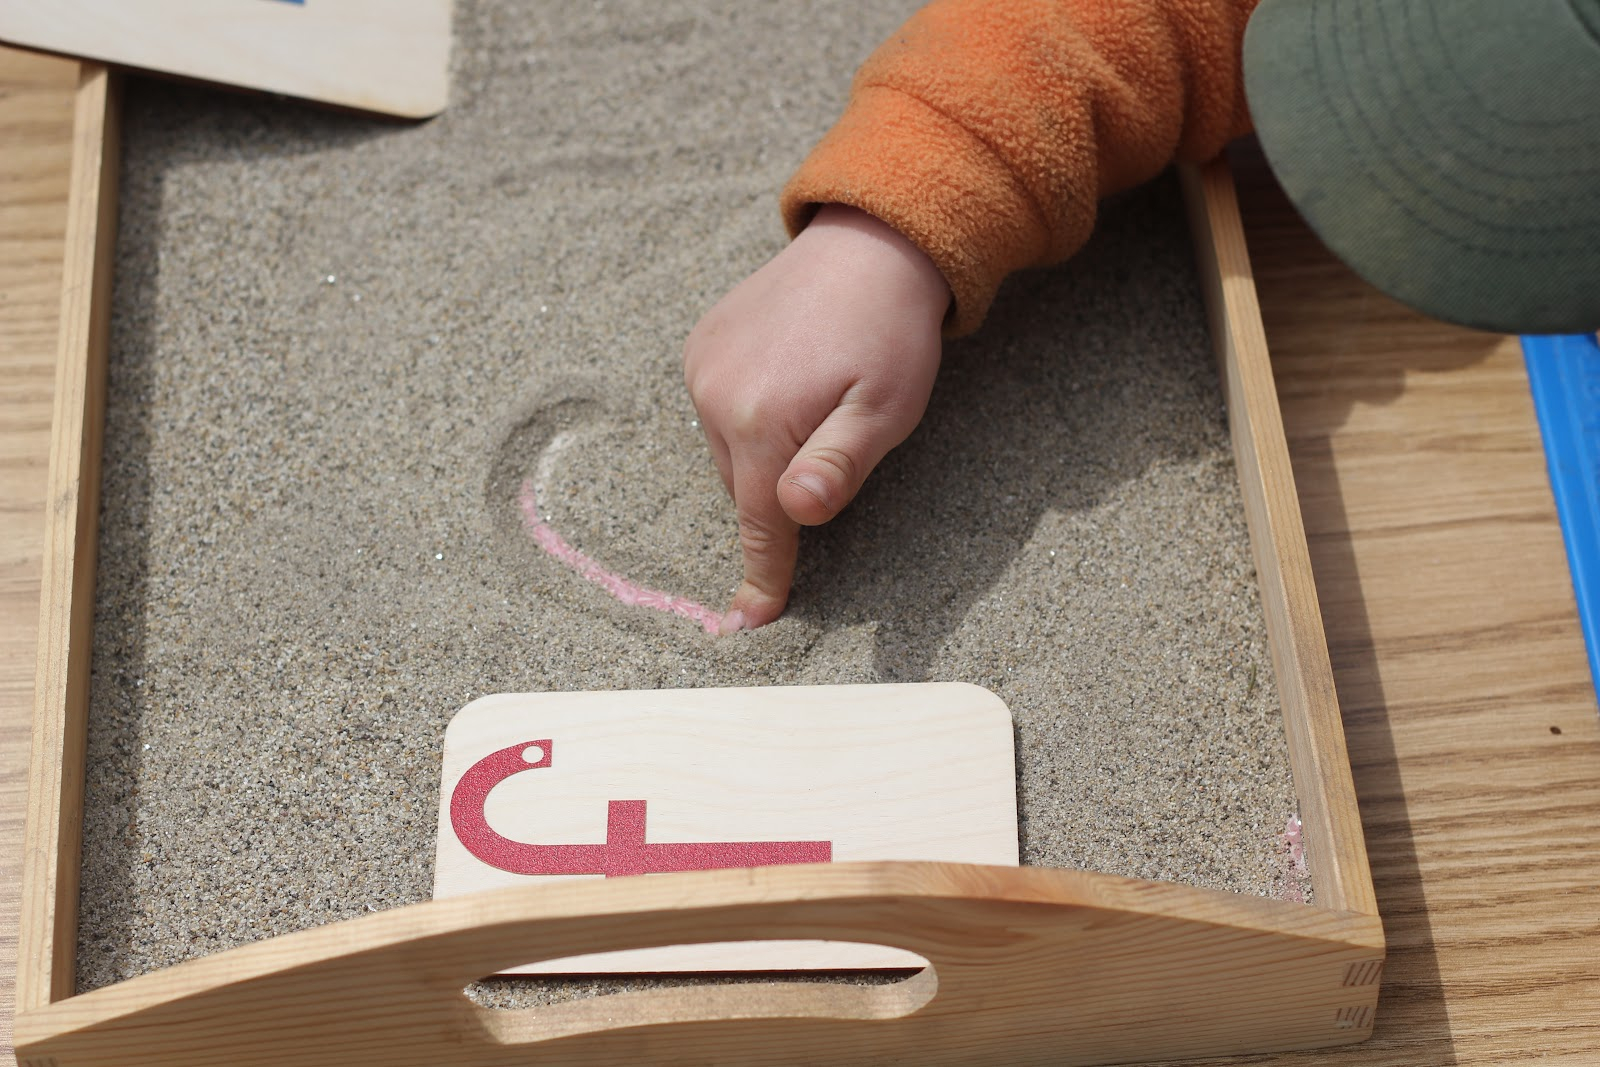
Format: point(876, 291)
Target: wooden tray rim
point(1341, 877)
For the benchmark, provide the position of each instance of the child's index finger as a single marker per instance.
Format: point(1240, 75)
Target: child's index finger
point(768, 539)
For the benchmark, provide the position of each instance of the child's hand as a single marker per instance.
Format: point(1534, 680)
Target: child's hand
point(805, 376)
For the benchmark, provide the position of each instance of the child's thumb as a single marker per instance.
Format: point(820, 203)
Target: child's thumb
point(829, 470)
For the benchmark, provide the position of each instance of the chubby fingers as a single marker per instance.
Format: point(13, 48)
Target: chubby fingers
point(831, 466)
point(769, 539)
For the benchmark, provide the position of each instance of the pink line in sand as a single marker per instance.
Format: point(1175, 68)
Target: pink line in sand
point(1295, 876)
point(557, 548)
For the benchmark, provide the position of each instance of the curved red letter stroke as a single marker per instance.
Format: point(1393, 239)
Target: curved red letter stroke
point(625, 850)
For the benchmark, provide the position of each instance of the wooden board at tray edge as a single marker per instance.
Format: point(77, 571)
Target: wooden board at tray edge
point(1176, 971)
point(1340, 875)
point(47, 929)
point(1323, 959)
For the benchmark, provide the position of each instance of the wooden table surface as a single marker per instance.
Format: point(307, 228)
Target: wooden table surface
point(1471, 718)
point(35, 152)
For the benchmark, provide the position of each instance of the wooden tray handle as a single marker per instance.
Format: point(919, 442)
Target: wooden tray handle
point(459, 956)
point(1033, 961)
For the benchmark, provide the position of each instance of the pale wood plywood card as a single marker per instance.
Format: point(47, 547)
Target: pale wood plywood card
point(557, 786)
point(389, 56)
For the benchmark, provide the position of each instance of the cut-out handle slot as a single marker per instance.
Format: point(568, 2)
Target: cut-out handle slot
point(708, 999)
point(1126, 969)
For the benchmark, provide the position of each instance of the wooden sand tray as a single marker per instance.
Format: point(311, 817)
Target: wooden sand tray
point(1028, 965)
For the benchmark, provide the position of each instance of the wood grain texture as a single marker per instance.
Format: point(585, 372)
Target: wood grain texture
point(1033, 965)
point(36, 99)
point(387, 56)
point(1457, 654)
point(1417, 463)
point(1171, 971)
point(915, 771)
point(47, 930)
point(1317, 755)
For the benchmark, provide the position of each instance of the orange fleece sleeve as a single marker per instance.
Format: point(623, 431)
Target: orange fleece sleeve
point(986, 131)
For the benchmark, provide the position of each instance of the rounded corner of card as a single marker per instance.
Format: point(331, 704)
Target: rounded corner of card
point(430, 107)
point(474, 709)
point(982, 698)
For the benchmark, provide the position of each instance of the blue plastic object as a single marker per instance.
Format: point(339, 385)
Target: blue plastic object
point(1564, 372)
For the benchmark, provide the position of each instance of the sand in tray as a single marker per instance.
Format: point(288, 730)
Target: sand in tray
point(341, 347)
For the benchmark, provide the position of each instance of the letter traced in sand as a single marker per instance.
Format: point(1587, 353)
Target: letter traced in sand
point(625, 850)
point(557, 548)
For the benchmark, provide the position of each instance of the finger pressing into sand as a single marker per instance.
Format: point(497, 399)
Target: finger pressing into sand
point(769, 541)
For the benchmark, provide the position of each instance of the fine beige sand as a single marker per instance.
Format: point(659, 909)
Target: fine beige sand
point(340, 346)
